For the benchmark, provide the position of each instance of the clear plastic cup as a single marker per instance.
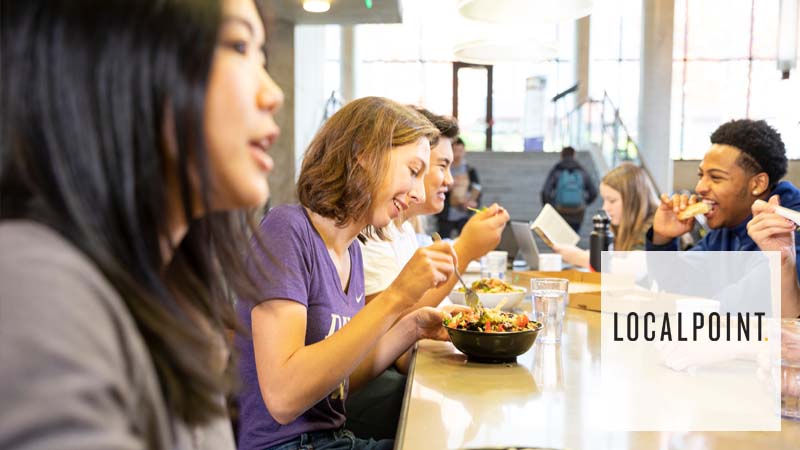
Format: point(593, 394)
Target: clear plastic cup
point(493, 265)
point(549, 306)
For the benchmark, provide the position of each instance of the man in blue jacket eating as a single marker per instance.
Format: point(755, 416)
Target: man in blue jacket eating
point(746, 162)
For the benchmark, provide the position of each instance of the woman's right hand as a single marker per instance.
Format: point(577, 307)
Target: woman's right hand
point(428, 268)
point(666, 225)
point(572, 254)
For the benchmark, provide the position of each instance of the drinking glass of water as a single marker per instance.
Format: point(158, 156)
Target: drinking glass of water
point(549, 303)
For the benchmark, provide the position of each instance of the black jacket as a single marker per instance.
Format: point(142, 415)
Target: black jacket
point(548, 194)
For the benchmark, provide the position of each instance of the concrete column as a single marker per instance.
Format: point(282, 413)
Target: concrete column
point(581, 55)
point(582, 33)
point(655, 90)
point(309, 96)
point(280, 48)
point(348, 63)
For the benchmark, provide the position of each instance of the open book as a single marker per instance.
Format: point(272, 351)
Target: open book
point(552, 228)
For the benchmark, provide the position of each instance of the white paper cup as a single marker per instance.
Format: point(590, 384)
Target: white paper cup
point(550, 262)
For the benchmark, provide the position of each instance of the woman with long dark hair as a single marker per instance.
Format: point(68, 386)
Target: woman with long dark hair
point(131, 133)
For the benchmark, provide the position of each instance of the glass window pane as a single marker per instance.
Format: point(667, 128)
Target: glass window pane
point(437, 87)
point(331, 81)
point(768, 101)
point(715, 93)
point(387, 42)
point(605, 29)
point(333, 42)
point(676, 114)
point(631, 29)
point(398, 81)
point(719, 28)
point(472, 107)
point(679, 29)
point(627, 99)
point(765, 29)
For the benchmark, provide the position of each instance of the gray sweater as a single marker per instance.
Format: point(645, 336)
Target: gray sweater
point(74, 369)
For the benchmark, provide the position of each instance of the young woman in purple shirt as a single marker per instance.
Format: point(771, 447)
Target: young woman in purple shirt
point(313, 337)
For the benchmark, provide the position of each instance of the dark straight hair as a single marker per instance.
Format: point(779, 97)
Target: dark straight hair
point(96, 96)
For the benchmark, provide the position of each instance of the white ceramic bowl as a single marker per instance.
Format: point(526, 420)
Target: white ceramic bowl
point(491, 300)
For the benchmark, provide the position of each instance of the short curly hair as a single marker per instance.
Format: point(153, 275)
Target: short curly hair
point(761, 146)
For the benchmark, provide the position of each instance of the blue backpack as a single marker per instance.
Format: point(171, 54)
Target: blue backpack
point(569, 189)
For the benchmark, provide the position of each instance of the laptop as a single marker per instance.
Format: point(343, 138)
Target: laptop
point(526, 244)
point(508, 243)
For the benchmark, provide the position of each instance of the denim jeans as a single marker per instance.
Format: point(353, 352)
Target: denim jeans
point(333, 440)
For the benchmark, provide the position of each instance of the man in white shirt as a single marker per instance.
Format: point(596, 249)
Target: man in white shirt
point(373, 411)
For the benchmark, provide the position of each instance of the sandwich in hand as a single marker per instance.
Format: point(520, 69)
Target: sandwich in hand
point(694, 210)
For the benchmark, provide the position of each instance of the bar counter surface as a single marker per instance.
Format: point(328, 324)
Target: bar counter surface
point(543, 401)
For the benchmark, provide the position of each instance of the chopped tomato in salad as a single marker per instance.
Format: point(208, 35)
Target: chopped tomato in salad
point(489, 321)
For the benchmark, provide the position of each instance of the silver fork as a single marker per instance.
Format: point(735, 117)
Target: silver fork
point(469, 295)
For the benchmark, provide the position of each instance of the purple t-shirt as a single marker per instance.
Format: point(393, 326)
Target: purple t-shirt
point(297, 267)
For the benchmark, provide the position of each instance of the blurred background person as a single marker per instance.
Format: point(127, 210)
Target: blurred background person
point(569, 189)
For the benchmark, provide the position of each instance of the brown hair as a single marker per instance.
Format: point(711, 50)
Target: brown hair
point(348, 158)
point(638, 206)
point(447, 126)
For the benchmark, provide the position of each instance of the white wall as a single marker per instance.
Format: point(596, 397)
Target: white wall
point(309, 57)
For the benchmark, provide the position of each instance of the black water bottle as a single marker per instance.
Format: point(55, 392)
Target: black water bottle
point(601, 239)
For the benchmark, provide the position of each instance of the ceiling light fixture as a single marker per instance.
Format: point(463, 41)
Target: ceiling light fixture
point(524, 11)
point(316, 6)
point(493, 51)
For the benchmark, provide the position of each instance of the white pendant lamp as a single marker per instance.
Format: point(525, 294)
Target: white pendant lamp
point(524, 11)
point(495, 50)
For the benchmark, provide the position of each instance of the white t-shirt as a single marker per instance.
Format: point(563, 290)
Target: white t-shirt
point(383, 260)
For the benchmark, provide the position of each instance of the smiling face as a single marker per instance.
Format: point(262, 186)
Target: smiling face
point(403, 183)
point(612, 203)
point(437, 180)
point(240, 102)
point(726, 186)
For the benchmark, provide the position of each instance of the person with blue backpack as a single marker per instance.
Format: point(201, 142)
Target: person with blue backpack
point(569, 189)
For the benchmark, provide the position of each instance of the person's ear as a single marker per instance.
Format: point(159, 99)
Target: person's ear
point(759, 183)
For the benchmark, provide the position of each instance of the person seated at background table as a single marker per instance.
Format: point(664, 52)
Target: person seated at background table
point(745, 163)
point(374, 411)
point(772, 232)
point(628, 201)
point(313, 338)
point(463, 196)
point(127, 145)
